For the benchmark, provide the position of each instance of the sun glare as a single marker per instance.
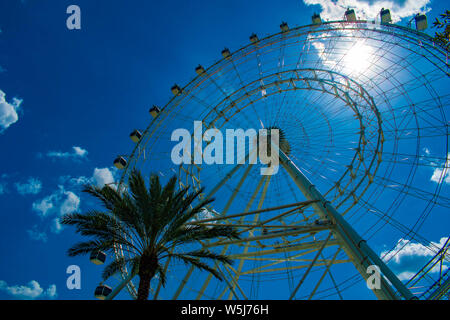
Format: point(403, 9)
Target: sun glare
point(358, 56)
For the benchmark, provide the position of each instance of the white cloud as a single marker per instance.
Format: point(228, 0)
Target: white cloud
point(70, 204)
point(56, 205)
point(411, 256)
point(319, 46)
point(51, 207)
point(102, 176)
point(439, 175)
point(80, 151)
point(74, 181)
point(8, 111)
point(205, 214)
point(368, 10)
point(32, 186)
point(51, 292)
point(30, 291)
point(440, 169)
point(56, 226)
point(442, 174)
point(44, 206)
point(77, 153)
point(406, 275)
point(35, 234)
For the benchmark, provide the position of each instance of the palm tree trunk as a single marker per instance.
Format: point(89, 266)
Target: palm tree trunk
point(144, 287)
point(147, 270)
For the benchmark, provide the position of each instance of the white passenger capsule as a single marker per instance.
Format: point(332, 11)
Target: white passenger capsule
point(176, 90)
point(316, 19)
point(421, 22)
point(120, 163)
point(101, 292)
point(97, 257)
point(135, 136)
point(154, 111)
point(200, 70)
point(385, 16)
point(350, 15)
point(226, 53)
point(254, 38)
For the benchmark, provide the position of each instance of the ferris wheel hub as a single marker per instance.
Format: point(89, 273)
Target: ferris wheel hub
point(283, 143)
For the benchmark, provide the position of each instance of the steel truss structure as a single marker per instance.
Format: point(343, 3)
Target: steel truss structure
point(364, 108)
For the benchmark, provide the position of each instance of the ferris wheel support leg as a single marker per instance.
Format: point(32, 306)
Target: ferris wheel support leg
point(352, 241)
point(255, 220)
point(247, 171)
point(247, 208)
point(224, 212)
point(229, 175)
point(183, 283)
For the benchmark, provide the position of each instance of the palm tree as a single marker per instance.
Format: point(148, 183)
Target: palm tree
point(149, 223)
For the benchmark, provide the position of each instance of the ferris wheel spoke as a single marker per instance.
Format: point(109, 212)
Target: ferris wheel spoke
point(264, 180)
point(394, 223)
point(247, 96)
point(327, 269)
point(292, 296)
point(225, 248)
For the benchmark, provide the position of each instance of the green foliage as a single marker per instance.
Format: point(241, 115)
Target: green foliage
point(442, 37)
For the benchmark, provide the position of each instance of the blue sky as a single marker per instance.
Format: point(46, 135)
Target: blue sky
point(70, 98)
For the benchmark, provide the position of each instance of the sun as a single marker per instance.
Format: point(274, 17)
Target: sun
point(358, 57)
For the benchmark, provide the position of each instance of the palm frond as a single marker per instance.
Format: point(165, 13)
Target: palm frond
point(152, 216)
point(86, 247)
point(94, 223)
point(107, 195)
point(183, 215)
point(119, 265)
point(128, 211)
point(198, 264)
point(101, 226)
point(155, 186)
point(140, 193)
point(195, 233)
point(162, 274)
point(203, 253)
point(114, 267)
point(119, 204)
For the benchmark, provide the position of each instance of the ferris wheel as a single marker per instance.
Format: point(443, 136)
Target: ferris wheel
point(362, 108)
